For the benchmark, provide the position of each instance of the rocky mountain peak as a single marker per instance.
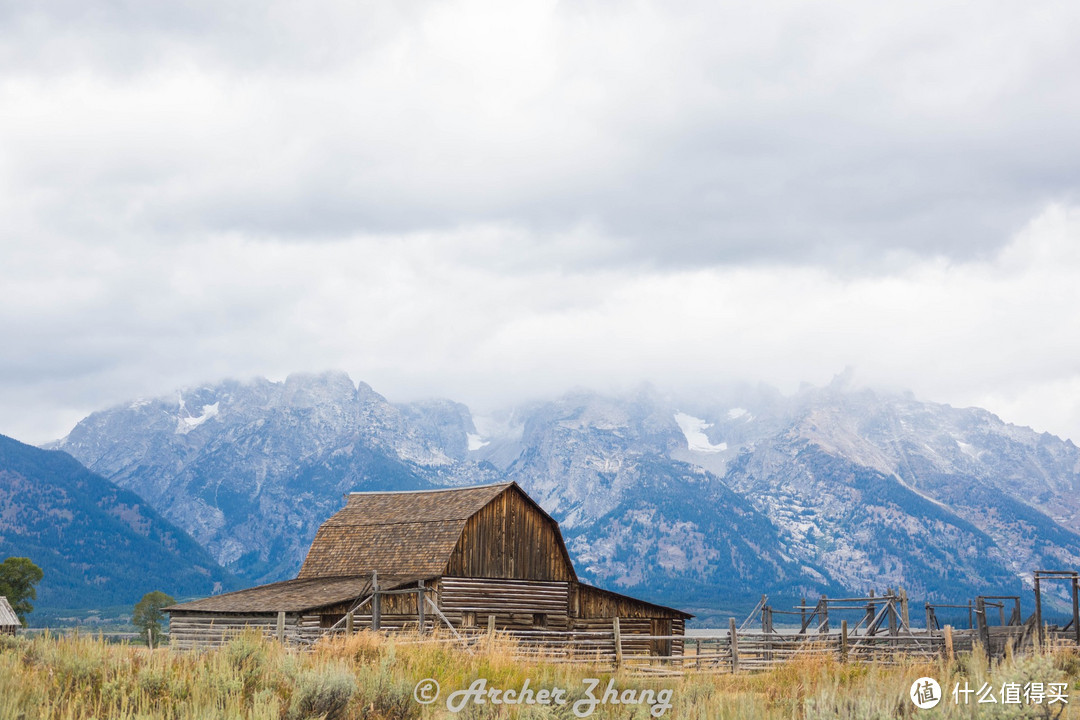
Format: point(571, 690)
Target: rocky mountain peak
point(741, 487)
point(309, 390)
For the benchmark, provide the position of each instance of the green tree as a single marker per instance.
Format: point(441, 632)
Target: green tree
point(18, 576)
point(148, 614)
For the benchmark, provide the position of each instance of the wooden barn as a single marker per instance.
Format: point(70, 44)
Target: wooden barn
point(9, 621)
point(485, 557)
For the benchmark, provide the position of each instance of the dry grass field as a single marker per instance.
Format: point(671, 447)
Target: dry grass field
point(369, 676)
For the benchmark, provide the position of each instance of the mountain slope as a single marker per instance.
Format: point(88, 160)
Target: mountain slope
point(252, 469)
point(98, 545)
point(721, 495)
point(1019, 488)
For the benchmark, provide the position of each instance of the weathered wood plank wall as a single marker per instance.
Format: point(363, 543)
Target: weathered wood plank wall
point(509, 538)
point(591, 602)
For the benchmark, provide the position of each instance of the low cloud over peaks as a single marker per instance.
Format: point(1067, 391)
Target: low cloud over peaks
point(484, 200)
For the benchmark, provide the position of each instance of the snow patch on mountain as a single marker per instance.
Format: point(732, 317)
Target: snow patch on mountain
point(693, 430)
point(507, 427)
point(185, 423)
point(968, 449)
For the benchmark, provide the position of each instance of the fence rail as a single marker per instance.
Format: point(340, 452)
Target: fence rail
point(734, 651)
point(729, 652)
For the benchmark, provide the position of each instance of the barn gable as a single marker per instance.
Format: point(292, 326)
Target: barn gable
point(487, 531)
point(511, 537)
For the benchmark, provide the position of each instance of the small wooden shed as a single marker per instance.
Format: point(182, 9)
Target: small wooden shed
point(9, 621)
point(475, 557)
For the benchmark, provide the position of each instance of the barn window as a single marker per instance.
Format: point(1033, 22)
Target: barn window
point(539, 620)
point(468, 619)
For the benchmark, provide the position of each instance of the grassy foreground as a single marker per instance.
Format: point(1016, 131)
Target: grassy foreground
point(368, 676)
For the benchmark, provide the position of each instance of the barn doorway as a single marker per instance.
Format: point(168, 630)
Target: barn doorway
point(661, 626)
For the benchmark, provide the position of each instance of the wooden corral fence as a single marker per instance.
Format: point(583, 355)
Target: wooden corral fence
point(725, 652)
point(880, 632)
point(734, 651)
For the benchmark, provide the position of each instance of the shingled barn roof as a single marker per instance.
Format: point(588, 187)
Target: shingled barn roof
point(294, 595)
point(8, 618)
point(397, 533)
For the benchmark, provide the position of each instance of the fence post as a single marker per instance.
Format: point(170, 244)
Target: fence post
point(894, 618)
point(376, 602)
point(1038, 612)
point(843, 641)
point(948, 643)
point(281, 626)
point(1076, 607)
point(983, 632)
point(150, 638)
point(767, 630)
point(618, 641)
point(420, 621)
point(823, 616)
point(904, 608)
point(349, 623)
point(734, 645)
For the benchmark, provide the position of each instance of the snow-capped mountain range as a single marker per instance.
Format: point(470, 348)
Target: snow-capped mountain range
point(703, 501)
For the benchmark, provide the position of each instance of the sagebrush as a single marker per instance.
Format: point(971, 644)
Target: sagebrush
point(372, 677)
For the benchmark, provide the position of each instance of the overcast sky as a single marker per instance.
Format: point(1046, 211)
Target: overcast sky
point(494, 201)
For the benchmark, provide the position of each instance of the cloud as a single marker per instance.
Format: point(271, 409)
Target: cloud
point(490, 200)
point(692, 133)
point(433, 315)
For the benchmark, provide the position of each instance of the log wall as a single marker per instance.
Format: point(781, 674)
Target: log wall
point(639, 635)
point(205, 630)
point(387, 623)
point(514, 603)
